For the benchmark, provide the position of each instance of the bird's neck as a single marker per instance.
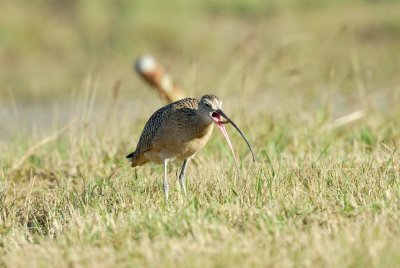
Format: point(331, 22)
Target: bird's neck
point(201, 126)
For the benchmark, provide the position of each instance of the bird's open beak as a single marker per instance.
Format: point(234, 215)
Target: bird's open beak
point(217, 118)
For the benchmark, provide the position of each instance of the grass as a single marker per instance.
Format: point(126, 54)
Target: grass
point(324, 191)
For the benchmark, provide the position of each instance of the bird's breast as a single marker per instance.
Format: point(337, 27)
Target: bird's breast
point(180, 142)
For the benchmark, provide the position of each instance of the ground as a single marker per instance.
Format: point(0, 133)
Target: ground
point(314, 85)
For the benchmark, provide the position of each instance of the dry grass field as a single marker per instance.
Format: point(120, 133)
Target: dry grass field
point(314, 85)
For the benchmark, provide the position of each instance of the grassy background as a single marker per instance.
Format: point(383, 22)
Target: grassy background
point(324, 192)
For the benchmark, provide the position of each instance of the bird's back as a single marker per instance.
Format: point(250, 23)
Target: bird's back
point(178, 110)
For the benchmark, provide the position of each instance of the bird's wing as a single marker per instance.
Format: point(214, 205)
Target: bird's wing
point(160, 117)
point(150, 129)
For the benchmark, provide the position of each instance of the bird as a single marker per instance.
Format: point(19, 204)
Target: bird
point(178, 131)
point(157, 77)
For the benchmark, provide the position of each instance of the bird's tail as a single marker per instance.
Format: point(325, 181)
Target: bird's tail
point(136, 159)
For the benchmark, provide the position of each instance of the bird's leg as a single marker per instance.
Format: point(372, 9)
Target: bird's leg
point(182, 176)
point(165, 181)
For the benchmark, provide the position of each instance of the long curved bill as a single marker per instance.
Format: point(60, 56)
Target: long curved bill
point(221, 127)
point(217, 120)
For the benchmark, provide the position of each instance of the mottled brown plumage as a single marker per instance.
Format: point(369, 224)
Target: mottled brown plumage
point(178, 131)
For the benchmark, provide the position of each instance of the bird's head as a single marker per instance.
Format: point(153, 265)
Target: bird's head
point(210, 109)
point(209, 106)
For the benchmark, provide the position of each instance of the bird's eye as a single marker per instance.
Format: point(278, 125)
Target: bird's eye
point(207, 105)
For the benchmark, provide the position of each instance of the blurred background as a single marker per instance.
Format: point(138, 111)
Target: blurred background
point(313, 84)
point(267, 58)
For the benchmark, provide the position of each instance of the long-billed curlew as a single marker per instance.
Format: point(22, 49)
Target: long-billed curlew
point(178, 131)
